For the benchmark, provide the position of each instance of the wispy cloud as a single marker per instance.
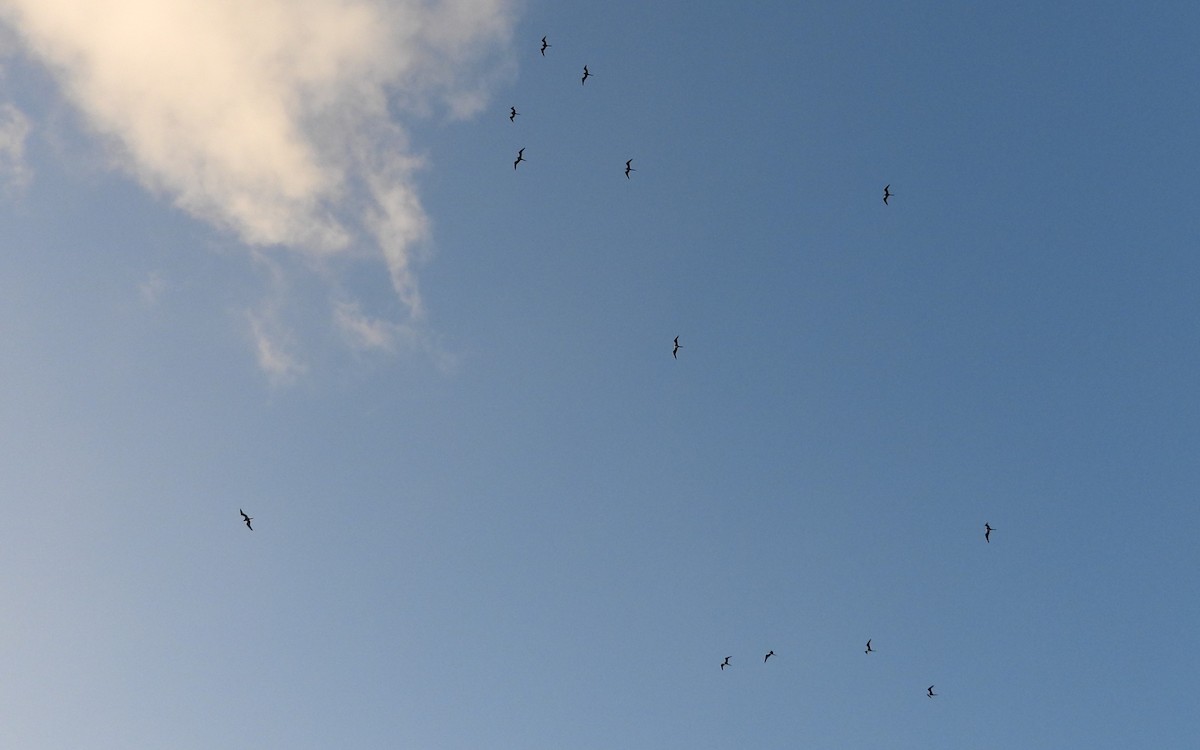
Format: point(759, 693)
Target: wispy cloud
point(366, 333)
point(274, 341)
point(273, 119)
point(152, 288)
point(15, 173)
point(271, 345)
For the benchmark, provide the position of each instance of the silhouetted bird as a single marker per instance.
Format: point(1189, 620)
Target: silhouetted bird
point(678, 346)
point(512, 114)
point(987, 533)
point(930, 691)
point(629, 168)
point(726, 663)
point(246, 519)
point(869, 649)
point(520, 158)
point(586, 75)
point(886, 193)
point(545, 44)
point(768, 656)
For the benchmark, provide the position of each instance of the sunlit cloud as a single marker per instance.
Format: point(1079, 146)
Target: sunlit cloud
point(275, 120)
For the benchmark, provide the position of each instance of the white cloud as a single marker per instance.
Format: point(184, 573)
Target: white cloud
point(273, 119)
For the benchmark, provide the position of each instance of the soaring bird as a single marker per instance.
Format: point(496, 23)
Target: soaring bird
point(768, 656)
point(629, 168)
point(886, 193)
point(726, 663)
point(930, 691)
point(678, 346)
point(246, 519)
point(545, 44)
point(512, 114)
point(869, 649)
point(586, 75)
point(987, 533)
point(520, 158)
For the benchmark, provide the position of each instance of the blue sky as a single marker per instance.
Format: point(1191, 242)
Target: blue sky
point(275, 257)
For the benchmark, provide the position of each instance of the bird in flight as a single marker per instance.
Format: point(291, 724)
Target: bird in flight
point(886, 193)
point(987, 533)
point(520, 158)
point(930, 691)
point(586, 75)
point(545, 44)
point(512, 114)
point(629, 168)
point(678, 346)
point(869, 649)
point(726, 663)
point(768, 656)
point(246, 519)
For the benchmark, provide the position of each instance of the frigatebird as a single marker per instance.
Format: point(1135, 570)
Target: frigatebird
point(586, 75)
point(726, 663)
point(545, 44)
point(629, 168)
point(987, 533)
point(246, 519)
point(768, 656)
point(520, 158)
point(930, 691)
point(886, 193)
point(512, 114)
point(869, 649)
point(678, 346)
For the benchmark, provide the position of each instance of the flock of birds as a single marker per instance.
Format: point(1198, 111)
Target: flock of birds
point(987, 537)
point(887, 194)
point(513, 114)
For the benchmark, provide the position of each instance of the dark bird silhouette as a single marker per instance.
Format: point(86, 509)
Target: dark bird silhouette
point(246, 519)
point(930, 691)
point(586, 75)
point(886, 193)
point(726, 663)
point(512, 114)
point(678, 346)
point(520, 158)
point(545, 44)
point(629, 168)
point(869, 649)
point(768, 656)
point(987, 533)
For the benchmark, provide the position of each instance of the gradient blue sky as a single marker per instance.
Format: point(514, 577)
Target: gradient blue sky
point(275, 257)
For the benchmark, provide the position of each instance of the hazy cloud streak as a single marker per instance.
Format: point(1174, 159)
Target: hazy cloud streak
point(14, 129)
